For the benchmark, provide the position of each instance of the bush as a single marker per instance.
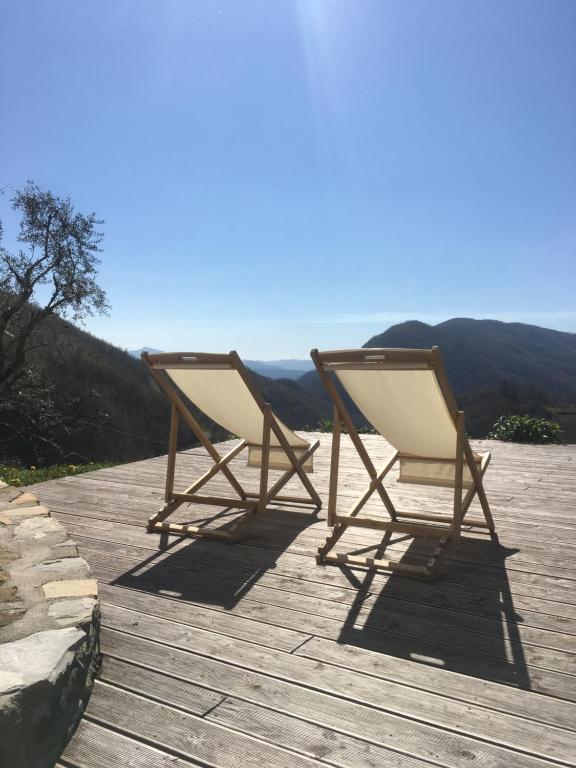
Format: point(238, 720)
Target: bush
point(525, 429)
point(326, 425)
point(19, 476)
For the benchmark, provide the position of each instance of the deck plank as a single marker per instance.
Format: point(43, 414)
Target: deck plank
point(183, 734)
point(334, 695)
point(95, 746)
point(290, 732)
point(408, 618)
point(255, 655)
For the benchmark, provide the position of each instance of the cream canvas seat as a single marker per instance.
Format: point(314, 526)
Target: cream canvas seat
point(221, 387)
point(405, 395)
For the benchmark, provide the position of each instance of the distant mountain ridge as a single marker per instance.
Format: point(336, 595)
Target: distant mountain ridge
point(479, 354)
point(272, 369)
point(138, 352)
point(280, 369)
point(494, 367)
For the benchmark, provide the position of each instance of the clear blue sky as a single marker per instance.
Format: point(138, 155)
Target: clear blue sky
point(281, 174)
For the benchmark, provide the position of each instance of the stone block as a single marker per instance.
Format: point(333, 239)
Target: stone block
point(71, 588)
point(11, 515)
point(11, 612)
point(41, 530)
point(8, 494)
point(65, 549)
point(26, 498)
point(73, 611)
point(69, 568)
point(44, 683)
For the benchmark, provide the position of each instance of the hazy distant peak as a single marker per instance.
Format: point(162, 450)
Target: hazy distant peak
point(138, 352)
point(280, 369)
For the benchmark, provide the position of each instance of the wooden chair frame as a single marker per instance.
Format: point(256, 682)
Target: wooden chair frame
point(415, 524)
point(244, 500)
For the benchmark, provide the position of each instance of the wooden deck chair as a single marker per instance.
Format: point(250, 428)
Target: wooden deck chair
point(221, 387)
point(405, 395)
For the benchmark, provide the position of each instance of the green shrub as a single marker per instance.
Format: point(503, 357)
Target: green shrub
point(326, 425)
point(19, 476)
point(525, 429)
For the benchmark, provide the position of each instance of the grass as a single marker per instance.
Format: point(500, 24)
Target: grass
point(19, 476)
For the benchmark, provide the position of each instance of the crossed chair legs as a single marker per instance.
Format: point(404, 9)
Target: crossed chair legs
point(250, 502)
point(411, 523)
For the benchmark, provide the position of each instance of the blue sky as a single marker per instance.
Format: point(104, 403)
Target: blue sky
point(281, 174)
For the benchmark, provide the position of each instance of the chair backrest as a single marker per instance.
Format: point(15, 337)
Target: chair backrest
point(221, 387)
point(405, 395)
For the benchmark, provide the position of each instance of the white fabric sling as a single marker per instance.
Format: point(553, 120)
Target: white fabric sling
point(222, 394)
point(408, 408)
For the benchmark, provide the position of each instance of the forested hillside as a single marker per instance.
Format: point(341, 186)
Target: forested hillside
point(495, 369)
point(102, 405)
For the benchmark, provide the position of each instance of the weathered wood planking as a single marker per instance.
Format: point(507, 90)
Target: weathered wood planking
point(251, 654)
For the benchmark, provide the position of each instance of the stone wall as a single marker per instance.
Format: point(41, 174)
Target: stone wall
point(49, 633)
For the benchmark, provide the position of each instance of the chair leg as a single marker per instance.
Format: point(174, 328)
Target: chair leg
point(265, 460)
point(336, 533)
point(334, 467)
point(174, 500)
point(458, 477)
point(477, 475)
point(296, 468)
point(162, 514)
point(486, 508)
point(297, 464)
point(198, 531)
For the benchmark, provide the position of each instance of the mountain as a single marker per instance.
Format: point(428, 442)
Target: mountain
point(480, 354)
point(109, 407)
point(280, 369)
point(138, 352)
point(311, 384)
point(106, 406)
point(495, 369)
point(272, 369)
point(298, 408)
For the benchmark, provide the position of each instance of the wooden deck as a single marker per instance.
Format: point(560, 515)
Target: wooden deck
point(250, 654)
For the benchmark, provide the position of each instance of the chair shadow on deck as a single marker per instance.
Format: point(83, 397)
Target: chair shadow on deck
point(218, 573)
point(464, 621)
